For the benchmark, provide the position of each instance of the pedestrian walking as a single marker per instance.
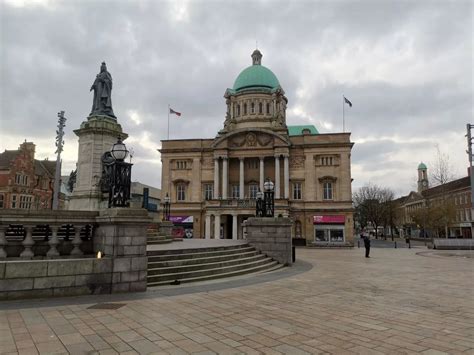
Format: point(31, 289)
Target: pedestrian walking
point(366, 239)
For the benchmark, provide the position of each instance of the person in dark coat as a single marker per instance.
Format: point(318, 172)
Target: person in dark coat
point(366, 239)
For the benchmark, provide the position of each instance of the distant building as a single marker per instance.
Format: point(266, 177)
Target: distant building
point(213, 182)
point(451, 201)
point(25, 182)
point(138, 198)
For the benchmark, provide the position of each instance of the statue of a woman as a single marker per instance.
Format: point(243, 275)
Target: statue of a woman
point(102, 104)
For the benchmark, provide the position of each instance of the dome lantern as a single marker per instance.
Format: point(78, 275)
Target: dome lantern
point(257, 57)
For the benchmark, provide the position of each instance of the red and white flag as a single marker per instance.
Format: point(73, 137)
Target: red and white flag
point(175, 112)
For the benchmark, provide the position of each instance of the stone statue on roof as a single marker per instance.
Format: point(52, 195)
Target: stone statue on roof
point(102, 86)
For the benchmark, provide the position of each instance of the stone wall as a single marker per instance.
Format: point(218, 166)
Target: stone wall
point(271, 236)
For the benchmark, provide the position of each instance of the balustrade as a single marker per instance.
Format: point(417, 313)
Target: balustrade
point(29, 234)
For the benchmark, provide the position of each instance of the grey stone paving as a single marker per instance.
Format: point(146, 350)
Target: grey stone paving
point(396, 302)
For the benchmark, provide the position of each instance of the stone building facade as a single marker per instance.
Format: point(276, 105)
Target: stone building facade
point(213, 182)
point(25, 182)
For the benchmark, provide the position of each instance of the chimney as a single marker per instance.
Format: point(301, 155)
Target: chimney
point(28, 148)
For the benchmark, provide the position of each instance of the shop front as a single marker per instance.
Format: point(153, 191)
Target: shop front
point(329, 228)
point(182, 226)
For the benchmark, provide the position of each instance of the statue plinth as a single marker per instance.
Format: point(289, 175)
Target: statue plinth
point(96, 135)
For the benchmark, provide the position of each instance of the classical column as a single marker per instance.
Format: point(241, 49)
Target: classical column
point(262, 168)
point(217, 226)
point(241, 179)
point(234, 226)
point(225, 177)
point(216, 178)
point(277, 176)
point(286, 176)
point(208, 227)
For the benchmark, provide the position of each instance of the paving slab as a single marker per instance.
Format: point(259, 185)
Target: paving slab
point(330, 301)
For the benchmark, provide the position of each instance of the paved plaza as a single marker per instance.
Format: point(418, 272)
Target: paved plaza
point(331, 301)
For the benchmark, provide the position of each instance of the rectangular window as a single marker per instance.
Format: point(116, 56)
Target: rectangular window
point(329, 233)
point(253, 189)
point(1, 200)
point(13, 201)
point(252, 108)
point(297, 191)
point(25, 202)
point(26, 180)
point(327, 191)
point(181, 164)
point(17, 179)
point(181, 192)
point(235, 191)
point(208, 191)
point(326, 160)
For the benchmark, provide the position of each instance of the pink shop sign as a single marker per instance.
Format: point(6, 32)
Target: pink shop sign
point(336, 219)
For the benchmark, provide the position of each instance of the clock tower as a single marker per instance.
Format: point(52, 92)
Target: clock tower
point(422, 177)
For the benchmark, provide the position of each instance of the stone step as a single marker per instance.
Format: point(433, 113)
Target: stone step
point(197, 253)
point(208, 259)
point(243, 270)
point(175, 252)
point(203, 265)
point(159, 241)
point(208, 272)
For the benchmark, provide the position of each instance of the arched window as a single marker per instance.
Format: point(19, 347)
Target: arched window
point(268, 108)
point(252, 108)
point(260, 108)
point(245, 109)
point(238, 110)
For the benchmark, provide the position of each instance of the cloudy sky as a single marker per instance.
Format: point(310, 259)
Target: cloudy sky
point(405, 65)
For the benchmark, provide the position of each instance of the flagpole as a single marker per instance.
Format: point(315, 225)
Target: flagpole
point(343, 114)
point(168, 121)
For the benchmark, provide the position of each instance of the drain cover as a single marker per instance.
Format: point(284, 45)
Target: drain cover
point(107, 306)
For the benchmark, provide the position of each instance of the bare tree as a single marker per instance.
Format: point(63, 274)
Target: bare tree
point(374, 204)
point(441, 170)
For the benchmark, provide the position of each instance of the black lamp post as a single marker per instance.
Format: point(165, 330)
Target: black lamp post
point(260, 205)
point(119, 179)
point(167, 208)
point(269, 200)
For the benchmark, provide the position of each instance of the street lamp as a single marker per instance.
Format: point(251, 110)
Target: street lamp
point(118, 175)
point(268, 199)
point(167, 208)
point(260, 206)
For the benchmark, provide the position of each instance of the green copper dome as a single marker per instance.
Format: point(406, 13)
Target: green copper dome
point(256, 76)
point(422, 166)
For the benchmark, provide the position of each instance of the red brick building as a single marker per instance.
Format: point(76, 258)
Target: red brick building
point(25, 182)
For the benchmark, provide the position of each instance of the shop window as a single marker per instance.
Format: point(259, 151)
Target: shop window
point(253, 189)
point(327, 191)
point(208, 191)
point(2, 199)
point(297, 191)
point(181, 192)
point(235, 191)
point(329, 233)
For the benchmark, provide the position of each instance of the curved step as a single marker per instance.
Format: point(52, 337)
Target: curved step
point(203, 265)
point(192, 261)
point(176, 252)
point(203, 253)
point(245, 271)
point(208, 272)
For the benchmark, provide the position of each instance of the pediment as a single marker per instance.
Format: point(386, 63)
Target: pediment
point(251, 139)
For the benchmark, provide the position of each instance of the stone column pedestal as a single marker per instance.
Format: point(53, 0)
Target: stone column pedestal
point(271, 236)
point(121, 236)
point(96, 135)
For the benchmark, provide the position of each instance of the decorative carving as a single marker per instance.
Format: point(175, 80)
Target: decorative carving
point(264, 139)
point(251, 139)
point(237, 141)
point(297, 161)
